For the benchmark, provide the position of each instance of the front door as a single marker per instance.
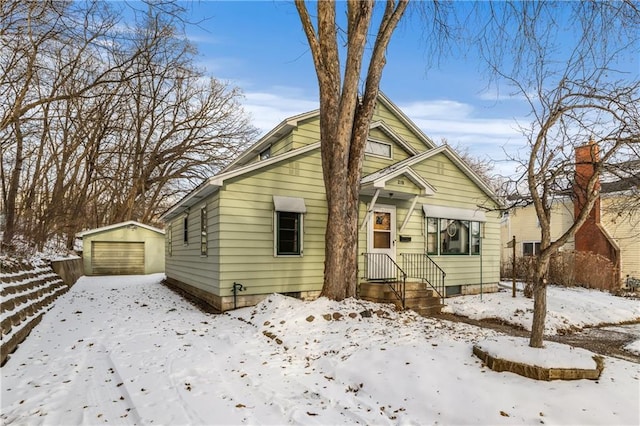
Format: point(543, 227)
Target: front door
point(382, 243)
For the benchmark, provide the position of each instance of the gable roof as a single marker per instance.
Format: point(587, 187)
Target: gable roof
point(274, 135)
point(393, 136)
point(287, 125)
point(399, 167)
point(119, 225)
point(236, 168)
point(212, 184)
point(406, 120)
point(381, 177)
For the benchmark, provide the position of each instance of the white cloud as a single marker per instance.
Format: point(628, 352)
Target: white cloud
point(442, 108)
point(494, 139)
point(269, 108)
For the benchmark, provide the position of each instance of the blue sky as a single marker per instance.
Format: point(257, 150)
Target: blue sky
point(260, 47)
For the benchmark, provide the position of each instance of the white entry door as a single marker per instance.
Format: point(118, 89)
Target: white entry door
point(382, 243)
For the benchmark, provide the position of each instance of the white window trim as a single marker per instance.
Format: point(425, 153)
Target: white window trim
point(276, 229)
point(439, 243)
point(533, 243)
point(185, 230)
point(390, 157)
point(206, 226)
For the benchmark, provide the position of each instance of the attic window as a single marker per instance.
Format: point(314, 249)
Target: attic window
point(379, 149)
point(265, 154)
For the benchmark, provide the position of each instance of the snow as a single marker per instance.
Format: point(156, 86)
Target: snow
point(567, 308)
point(127, 350)
point(517, 349)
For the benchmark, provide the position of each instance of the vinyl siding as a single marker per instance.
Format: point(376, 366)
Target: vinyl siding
point(307, 132)
point(283, 145)
point(247, 229)
point(382, 113)
point(625, 230)
point(523, 223)
point(453, 189)
point(241, 219)
point(185, 263)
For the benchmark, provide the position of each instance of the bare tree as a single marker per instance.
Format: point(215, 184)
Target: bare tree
point(104, 122)
point(345, 117)
point(575, 95)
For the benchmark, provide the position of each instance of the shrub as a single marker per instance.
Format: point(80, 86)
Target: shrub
point(569, 269)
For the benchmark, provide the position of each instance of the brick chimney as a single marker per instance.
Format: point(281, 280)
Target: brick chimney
point(586, 158)
point(591, 236)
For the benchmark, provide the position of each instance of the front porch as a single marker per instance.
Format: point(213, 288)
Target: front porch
point(417, 297)
point(416, 283)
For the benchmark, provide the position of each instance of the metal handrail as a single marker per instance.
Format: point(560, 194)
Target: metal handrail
point(382, 268)
point(423, 267)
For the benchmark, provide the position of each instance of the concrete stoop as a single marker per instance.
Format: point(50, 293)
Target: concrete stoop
point(418, 297)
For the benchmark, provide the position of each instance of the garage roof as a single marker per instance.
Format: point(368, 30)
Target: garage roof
point(119, 225)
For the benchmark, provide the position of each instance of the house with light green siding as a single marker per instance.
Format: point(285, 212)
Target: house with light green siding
point(429, 226)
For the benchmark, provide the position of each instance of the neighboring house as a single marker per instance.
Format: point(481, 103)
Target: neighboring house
point(522, 222)
point(610, 231)
point(258, 226)
point(127, 248)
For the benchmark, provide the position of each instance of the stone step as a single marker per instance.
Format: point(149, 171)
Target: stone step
point(430, 310)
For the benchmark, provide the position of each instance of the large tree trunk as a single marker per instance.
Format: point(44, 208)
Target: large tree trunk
point(341, 242)
point(344, 125)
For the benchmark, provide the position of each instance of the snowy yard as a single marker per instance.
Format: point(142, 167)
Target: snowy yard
point(126, 350)
point(567, 308)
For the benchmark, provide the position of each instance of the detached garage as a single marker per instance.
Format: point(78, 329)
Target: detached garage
point(127, 248)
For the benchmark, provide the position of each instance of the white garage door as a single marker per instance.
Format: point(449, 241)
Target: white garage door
point(117, 258)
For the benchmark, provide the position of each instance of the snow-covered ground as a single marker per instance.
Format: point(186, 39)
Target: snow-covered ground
point(570, 308)
point(126, 350)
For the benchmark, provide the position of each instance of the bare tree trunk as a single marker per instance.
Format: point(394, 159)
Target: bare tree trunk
point(539, 301)
point(12, 194)
point(344, 124)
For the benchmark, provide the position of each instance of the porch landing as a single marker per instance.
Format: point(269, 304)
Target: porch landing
point(417, 297)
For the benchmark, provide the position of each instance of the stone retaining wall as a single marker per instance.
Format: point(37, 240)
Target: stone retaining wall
point(26, 294)
point(69, 269)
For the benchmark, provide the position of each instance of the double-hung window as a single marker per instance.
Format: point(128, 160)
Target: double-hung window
point(170, 239)
point(185, 229)
point(288, 225)
point(203, 232)
point(380, 149)
point(531, 248)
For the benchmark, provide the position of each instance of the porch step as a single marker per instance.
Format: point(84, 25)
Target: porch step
point(417, 297)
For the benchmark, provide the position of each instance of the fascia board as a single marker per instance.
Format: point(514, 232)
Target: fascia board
point(406, 120)
point(272, 136)
point(427, 189)
point(118, 225)
point(394, 136)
